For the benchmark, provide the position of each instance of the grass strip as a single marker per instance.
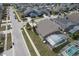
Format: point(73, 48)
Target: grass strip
point(9, 41)
point(32, 52)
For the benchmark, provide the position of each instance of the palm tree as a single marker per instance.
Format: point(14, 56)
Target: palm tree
point(28, 26)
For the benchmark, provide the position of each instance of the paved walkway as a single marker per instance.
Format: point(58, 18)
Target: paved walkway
point(6, 21)
point(8, 52)
point(5, 24)
point(38, 20)
point(34, 47)
point(6, 31)
point(5, 45)
point(17, 15)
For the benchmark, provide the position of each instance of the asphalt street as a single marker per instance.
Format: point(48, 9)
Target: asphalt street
point(19, 47)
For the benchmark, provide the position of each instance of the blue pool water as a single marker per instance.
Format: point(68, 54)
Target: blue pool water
point(72, 50)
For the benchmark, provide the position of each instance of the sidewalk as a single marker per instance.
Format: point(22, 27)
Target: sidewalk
point(5, 24)
point(25, 43)
point(17, 15)
point(6, 21)
point(8, 52)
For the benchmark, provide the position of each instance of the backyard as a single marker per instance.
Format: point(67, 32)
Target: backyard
point(43, 49)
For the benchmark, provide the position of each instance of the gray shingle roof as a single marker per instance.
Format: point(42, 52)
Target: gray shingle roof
point(63, 22)
point(74, 17)
point(46, 27)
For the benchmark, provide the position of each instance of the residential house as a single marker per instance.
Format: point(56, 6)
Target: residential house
point(49, 31)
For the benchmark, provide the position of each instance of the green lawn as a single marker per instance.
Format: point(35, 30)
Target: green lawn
point(9, 41)
point(2, 41)
point(32, 52)
point(71, 38)
point(2, 28)
point(42, 48)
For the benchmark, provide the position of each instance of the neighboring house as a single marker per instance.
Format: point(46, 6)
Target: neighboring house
point(65, 7)
point(27, 10)
point(75, 29)
point(45, 11)
point(72, 29)
point(74, 17)
point(33, 13)
point(33, 10)
point(48, 30)
point(67, 26)
point(73, 20)
point(36, 12)
point(62, 22)
point(69, 23)
point(71, 49)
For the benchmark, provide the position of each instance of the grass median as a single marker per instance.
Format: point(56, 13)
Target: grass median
point(2, 42)
point(32, 52)
point(43, 49)
point(9, 41)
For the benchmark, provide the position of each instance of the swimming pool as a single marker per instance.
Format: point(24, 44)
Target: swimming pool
point(72, 50)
